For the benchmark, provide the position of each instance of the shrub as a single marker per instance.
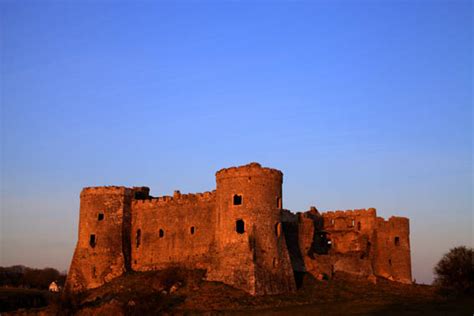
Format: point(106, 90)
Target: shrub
point(454, 273)
point(21, 276)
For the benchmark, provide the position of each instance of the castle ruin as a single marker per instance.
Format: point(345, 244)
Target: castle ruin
point(239, 233)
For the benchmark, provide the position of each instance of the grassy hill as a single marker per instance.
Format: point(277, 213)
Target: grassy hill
point(178, 291)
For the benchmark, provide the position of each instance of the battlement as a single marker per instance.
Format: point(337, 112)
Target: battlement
point(251, 169)
point(121, 190)
point(176, 198)
point(393, 222)
point(370, 212)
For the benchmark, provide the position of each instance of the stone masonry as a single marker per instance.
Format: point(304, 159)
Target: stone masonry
point(239, 233)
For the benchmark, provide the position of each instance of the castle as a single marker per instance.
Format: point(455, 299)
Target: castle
point(239, 233)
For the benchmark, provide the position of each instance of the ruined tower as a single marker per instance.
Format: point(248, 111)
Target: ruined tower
point(103, 248)
point(251, 247)
point(393, 249)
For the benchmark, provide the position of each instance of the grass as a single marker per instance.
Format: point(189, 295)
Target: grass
point(144, 293)
point(16, 298)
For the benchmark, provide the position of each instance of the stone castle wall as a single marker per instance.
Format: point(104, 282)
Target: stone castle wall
point(258, 251)
point(356, 242)
point(239, 234)
point(393, 249)
point(177, 229)
point(103, 251)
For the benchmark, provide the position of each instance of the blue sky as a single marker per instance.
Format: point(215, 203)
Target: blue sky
point(359, 103)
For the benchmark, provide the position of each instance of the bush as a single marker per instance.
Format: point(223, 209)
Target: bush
point(20, 276)
point(454, 273)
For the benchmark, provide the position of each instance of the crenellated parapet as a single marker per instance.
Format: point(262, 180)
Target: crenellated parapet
point(177, 197)
point(100, 190)
point(249, 170)
point(393, 221)
point(351, 213)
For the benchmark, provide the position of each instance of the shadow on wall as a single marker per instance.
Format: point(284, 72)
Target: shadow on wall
point(290, 230)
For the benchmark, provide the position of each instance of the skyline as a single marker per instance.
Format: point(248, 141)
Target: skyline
point(360, 104)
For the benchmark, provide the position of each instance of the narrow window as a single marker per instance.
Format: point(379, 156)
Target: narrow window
point(237, 199)
point(240, 226)
point(358, 225)
point(279, 202)
point(332, 221)
point(92, 241)
point(390, 262)
point(277, 229)
point(397, 241)
point(192, 230)
point(94, 272)
point(352, 223)
point(100, 217)
point(161, 233)
point(139, 237)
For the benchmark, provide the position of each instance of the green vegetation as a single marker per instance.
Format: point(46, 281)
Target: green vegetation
point(23, 287)
point(24, 277)
point(15, 298)
point(181, 291)
point(455, 272)
point(144, 293)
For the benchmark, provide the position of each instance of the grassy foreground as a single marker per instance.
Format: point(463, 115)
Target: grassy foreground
point(183, 292)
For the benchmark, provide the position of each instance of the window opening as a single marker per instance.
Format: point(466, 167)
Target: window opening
point(237, 199)
point(139, 237)
point(92, 241)
point(240, 226)
point(100, 217)
point(397, 241)
point(161, 233)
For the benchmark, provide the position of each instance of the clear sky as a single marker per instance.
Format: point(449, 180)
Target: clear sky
point(360, 104)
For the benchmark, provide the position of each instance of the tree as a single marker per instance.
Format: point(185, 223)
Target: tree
point(454, 273)
point(30, 277)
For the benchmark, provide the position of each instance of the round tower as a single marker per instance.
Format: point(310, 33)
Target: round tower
point(103, 248)
point(249, 236)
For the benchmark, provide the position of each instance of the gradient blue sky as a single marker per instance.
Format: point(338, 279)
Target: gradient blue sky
point(361, 104)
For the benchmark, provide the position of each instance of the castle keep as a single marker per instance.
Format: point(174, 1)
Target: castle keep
point(239, 233)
